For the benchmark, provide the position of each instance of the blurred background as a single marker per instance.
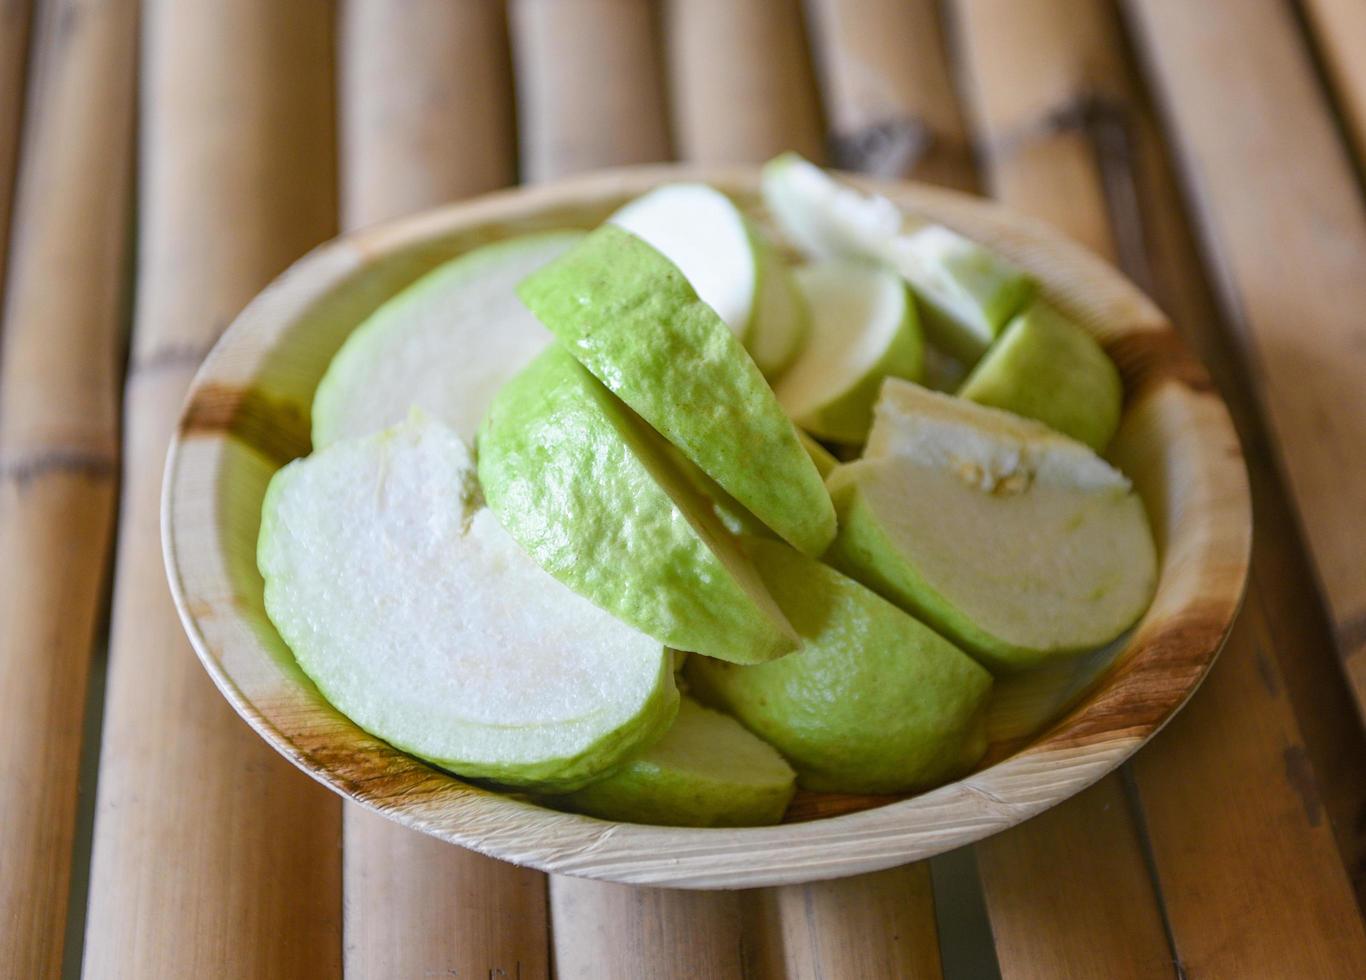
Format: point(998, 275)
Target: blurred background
point(161, 161)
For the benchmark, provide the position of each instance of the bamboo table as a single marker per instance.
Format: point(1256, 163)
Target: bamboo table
point(159, 163)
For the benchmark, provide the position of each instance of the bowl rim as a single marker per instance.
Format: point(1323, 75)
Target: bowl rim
point(1092, 737)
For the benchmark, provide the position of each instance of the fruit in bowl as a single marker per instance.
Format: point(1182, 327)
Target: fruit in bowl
point(543, 469)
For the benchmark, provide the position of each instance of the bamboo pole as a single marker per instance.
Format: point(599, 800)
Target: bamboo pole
point(212, 856)
point(888, 90)
point(742, 82)
point(419, 907)
point(589, 85)
point(1036, 88)
point(1068, 893)
point(426, 94)
point(14, 42)
point(1282, 220)
point(872, 925)
point(619, 932)
point(1339, 26)
point(59, 450)
point(426, 117)
point(1032, 89)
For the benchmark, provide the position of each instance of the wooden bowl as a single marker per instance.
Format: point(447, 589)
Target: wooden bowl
point(1054, 732)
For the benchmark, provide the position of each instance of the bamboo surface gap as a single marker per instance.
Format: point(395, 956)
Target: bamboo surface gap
point(423, 124)
point(212, 856)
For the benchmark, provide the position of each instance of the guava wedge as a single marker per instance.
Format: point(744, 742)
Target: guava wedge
point(731, 265)
point(736, 519)
point(418, 617)
point(632, 319)
point(1012, 540)
point(825, 460)
point(1046, 367)
point(707, 771)
point(783, 325)
point(707, 238)
point(825, 217)
point(589, 490)
point(875, 702)
point(967, 293)
point(864, 328)
point(445, 344)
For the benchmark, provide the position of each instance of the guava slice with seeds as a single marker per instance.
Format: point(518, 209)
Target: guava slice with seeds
point(1012, 540)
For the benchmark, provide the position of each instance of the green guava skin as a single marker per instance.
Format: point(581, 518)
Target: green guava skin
point(631, 318)
point(707, 771)
point(874, 702)
point(781, 322)
point(1048, 368)
point(845, 416)
point(996, 289)
point(825, 460)
point(587, 489)
point(865, 550)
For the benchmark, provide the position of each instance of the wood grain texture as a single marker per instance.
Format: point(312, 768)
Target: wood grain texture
point(1175, 440)
point(604, 931)
point(732, 105)
point(426, 94)
point(426, 117)
point(1037, 73)
point(15, 18)
point(211, 858)
point(888, 90)
point(1339, 26)
point(589, 85)
point(873, 925)
point(1283, 222)
point(59, 450)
